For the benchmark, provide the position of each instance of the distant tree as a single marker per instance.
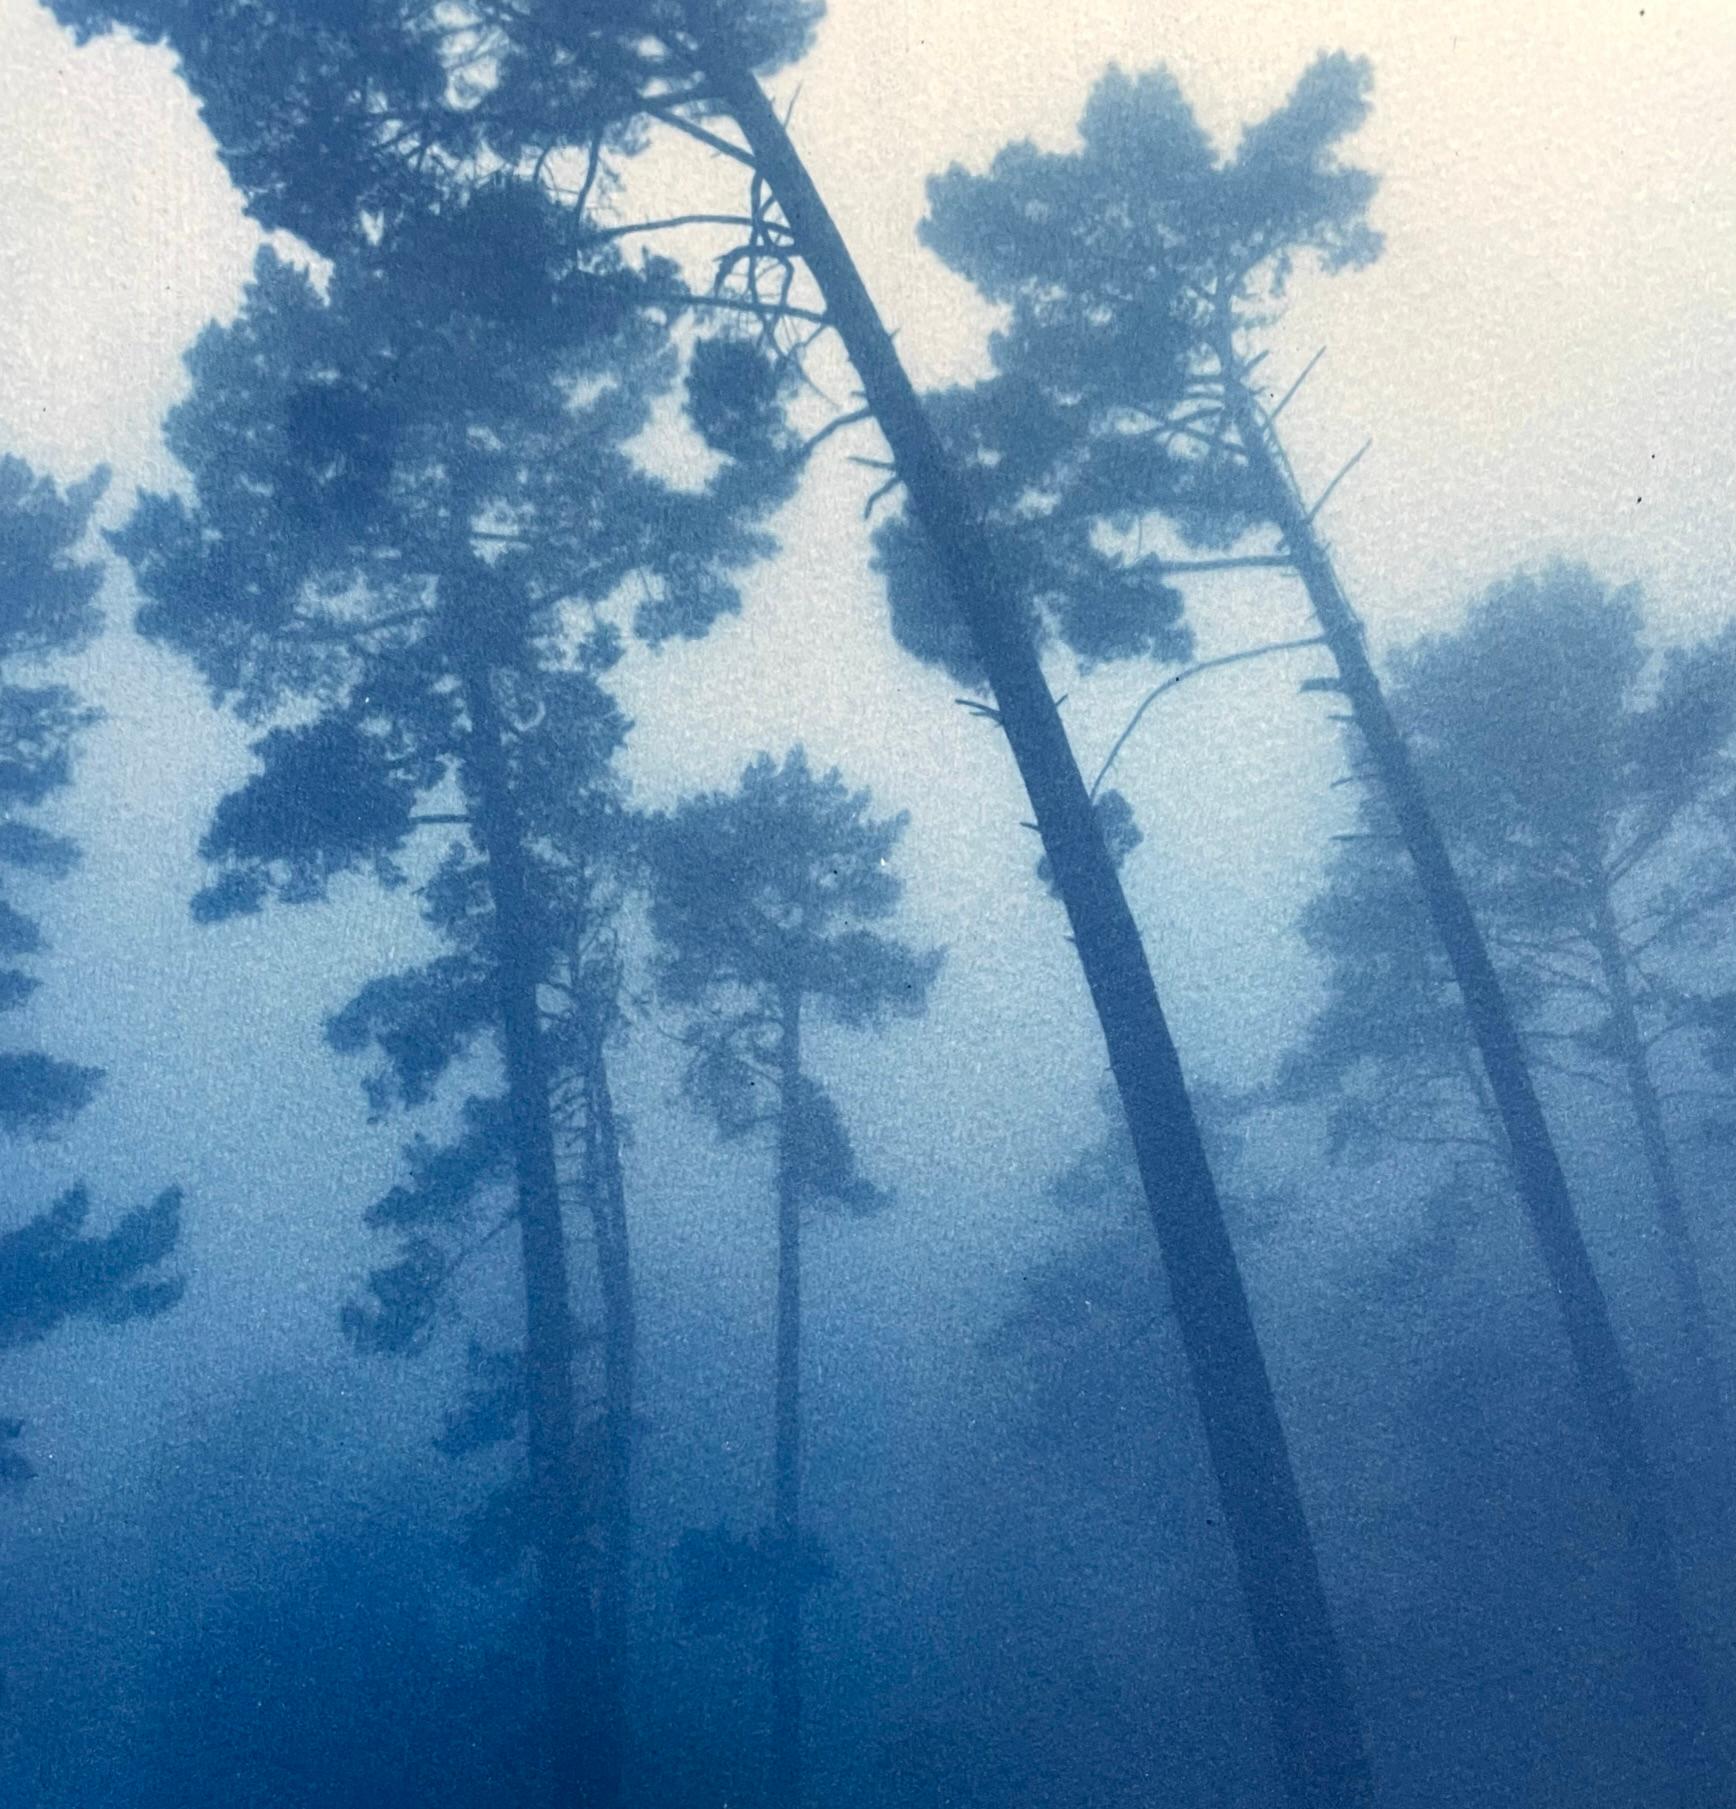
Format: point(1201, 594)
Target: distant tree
point(1140, 273)
point(412, 505)
point(330, 128)
point(1582, 784)
point(1459, 1487)
point(50, 1271)
point(445, 1211)
point(761, 904)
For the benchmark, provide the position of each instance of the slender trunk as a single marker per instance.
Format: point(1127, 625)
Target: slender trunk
point(1672, 1663)
point(1661, 1166)
point(580, 1768)
point(786, 1603)
point(606, 1189)
point(1318, 1739)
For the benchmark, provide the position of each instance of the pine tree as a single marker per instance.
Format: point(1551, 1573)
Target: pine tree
point(1140, 272)
point(413, 509)
point(761, 903)
point(1582, 786)
point(362, 113)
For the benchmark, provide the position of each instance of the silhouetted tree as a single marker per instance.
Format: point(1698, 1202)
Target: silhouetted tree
point(412, 497)
point(1140, 272)
point(1581, 786)
point(50, 1271)
point(357, 118)
point(761, 902)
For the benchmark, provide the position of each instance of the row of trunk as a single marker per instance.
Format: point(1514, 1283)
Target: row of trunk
point(1318, 1739)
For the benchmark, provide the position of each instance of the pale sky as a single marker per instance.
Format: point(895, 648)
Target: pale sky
point(1545, 355)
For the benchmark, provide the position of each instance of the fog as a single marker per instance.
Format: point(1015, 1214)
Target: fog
point(237, 1572)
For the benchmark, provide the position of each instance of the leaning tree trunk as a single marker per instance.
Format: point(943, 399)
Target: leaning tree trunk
point(1318, 1738)
point(785, 1621)
point(1660, 1162)
point(607, 1193)
point(1672, 1663)
point(581, 1767)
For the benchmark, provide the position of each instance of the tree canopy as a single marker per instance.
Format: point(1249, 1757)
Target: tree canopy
point(771, 892)
point(1120, 268)
point(1581, 776)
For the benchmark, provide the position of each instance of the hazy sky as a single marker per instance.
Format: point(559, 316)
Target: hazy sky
point(1545, 354)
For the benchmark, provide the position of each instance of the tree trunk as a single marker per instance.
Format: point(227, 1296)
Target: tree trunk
point(786, 1605)
point(1661, 1166)
point(1670, 1660)
point(1318, 1739)
point(607, 1192)
point(580, 1767)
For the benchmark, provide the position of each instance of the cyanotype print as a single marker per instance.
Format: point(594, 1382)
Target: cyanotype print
point(867, 905)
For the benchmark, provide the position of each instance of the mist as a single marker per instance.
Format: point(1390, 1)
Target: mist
point(867, 905)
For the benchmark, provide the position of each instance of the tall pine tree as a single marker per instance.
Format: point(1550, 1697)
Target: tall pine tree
point(762, 903)
point(356, 118)
point(1141, 272)
point(413, 509)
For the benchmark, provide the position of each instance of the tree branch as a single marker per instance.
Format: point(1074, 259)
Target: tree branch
point(1284, 400)
point(1344, 471)
point(1169, 684)
point(835, 425)
point(681, 124)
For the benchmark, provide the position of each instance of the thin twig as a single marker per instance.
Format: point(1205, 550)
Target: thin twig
point(672, 118)
point(986, 711)
point(1284, 400)
point(1169, 684)
point(835, 425)
point(880, 496)
point(1345, 470)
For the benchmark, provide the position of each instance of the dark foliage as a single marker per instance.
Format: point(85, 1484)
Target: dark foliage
point(374, 103)
point(50, 1271)
point(1120, 267)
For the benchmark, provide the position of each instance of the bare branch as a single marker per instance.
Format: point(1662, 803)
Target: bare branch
point(333, 630)
point(669, 223)
point(1284, 400)
point(835, 425)
point(1245, 562)
point(593, 167)
point(1344, 471)
point(670, 117)
point(1169, 684)
point(736, 304)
